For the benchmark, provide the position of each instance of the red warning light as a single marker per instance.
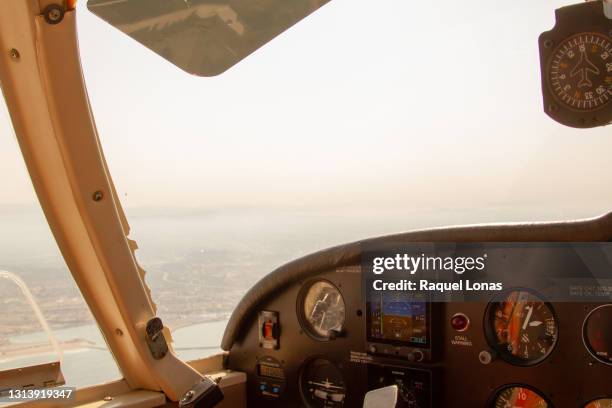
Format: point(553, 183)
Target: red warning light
point(460, 322)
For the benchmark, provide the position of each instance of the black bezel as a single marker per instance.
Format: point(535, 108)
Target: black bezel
point(303, 368)
point(584, 334)
point(491, 337)
point(304, 323)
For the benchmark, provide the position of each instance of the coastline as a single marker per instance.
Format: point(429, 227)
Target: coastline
point(191, 339)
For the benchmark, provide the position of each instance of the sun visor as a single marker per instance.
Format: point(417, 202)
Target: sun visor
point(203, 37)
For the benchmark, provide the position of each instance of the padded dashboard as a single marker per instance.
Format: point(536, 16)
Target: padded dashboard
point(457, 368)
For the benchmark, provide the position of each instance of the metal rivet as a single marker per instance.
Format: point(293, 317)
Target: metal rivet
point(119, 332)
point(548, 43)
point(53, 13)
point(14, 54)
point(553, 108)
point(98, 196)
point(188, 396)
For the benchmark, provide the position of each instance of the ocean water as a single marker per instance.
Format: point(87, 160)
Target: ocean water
point(190, 343)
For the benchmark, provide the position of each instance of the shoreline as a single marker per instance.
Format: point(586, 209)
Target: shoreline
point(11, 351)
point(17, 351)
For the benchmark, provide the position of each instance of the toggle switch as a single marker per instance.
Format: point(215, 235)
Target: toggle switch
point(269, 330)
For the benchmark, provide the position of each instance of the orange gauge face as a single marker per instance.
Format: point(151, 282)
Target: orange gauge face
point(580, 72)
point(600, 403)
point(522, 328)
point(519, 397)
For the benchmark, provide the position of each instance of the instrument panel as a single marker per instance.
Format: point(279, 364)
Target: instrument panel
point(338, 339)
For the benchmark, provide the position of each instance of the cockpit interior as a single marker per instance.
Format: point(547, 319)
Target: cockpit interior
point(524, 320)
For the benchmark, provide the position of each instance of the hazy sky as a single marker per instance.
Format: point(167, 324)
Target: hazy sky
point(400, 104)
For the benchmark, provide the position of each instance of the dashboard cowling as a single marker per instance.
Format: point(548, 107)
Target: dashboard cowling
point(456, 375)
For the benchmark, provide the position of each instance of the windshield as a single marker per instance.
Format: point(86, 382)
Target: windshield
point(358, 121)
point(43, 316)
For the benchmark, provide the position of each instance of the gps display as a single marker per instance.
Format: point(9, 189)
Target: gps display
point(398, 318)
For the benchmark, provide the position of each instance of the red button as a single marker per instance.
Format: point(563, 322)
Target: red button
point(460, 322)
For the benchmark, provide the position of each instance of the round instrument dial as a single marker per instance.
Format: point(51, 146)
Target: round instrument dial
point(321, 310)
point(597, 333)
point(580, 72)
point(322, 384)
point(521, 327)
point(520, 397)
point(600, 403)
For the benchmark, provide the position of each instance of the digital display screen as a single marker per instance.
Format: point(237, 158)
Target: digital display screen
point(270, 371)
point(398, 317)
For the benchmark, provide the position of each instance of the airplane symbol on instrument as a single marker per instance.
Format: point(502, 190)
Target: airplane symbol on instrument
point(584, 68)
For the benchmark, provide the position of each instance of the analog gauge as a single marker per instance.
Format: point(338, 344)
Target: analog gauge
point(521, 327)
point(597, 333)
point(600, 403)
point(321, 310)
point(520, 396)
point(580, 72)
point(322, 384)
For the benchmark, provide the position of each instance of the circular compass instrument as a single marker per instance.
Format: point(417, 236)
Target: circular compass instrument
point(521, 327)
point(580, 72)
point(597, 333)
point(576, 66)
point(519, 396)
point(322, 384)
point(600, 403)
point(321, 310)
